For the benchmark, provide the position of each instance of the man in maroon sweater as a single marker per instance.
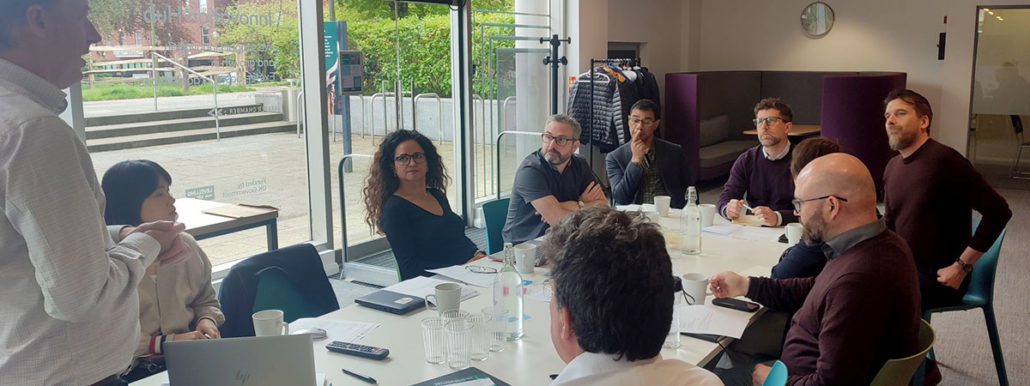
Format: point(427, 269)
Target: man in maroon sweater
point(930, 191)
point(863, 308)
point(762, 173)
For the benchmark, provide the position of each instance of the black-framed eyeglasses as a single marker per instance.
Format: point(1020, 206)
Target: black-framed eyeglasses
point(480, 269)
point(767, 120)
point(560, 141)
point(797, 201)
point(645, 122)
point(405, 159)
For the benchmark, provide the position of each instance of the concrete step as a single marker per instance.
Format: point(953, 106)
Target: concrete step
point(167, 138)
point(166, 115)
point(180, 124)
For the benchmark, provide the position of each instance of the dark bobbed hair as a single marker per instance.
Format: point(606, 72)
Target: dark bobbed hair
point(917, 100)
point(808, 150)
point(13, 15)
point(779, 105)
point(127, 184)
point(612, 272)
point(646, 105)
point(382, 179)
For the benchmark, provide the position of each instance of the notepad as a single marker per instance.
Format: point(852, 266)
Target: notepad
point(467, 377)
point(421, 286)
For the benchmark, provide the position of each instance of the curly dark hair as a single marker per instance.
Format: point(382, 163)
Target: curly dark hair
point(382, 179)
point(612, 271)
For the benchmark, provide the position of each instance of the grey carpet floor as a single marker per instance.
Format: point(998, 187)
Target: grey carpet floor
point(962, 346)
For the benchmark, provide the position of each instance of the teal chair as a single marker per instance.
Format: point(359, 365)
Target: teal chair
point(276, 292)
point(494, 214)
point(777, 376)
point(898, 372)
point(981, 295)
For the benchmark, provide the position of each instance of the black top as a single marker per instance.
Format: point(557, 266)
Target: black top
point(422, 240)
point(800, 260)
point(535, 179)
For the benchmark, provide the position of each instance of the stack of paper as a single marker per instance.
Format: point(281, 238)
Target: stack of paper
point(421, 286)
point(341, 330)
point(714, 320)
point(462, 274)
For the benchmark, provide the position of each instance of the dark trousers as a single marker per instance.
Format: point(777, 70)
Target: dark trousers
point(761, 342)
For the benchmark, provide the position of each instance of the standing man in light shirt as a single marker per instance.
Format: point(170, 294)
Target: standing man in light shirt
point(67, 291)
point(760, 178)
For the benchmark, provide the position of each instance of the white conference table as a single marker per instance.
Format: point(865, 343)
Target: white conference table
point(532, 359)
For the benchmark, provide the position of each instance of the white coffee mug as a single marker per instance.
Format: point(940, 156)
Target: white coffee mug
point(696, 287)
point(661, 205)
point(270, 323)
point(525, 258)
point(447, 297)
point(794, 231)
point(707, 214)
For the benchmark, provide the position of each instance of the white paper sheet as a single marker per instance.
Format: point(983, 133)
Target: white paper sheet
point(421, 286)
point(475, 382)
point(709, 319)
point(341, 330)
point(460, 273)
point(748, 233)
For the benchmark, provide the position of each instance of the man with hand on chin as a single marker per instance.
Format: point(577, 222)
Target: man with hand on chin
point(647, 166)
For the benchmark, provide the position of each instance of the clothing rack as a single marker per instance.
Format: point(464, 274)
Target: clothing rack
point(593, 65)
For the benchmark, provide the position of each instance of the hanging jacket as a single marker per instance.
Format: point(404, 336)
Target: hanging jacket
point(599, 128)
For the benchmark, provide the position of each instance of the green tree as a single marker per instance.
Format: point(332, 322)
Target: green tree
point(278, 42)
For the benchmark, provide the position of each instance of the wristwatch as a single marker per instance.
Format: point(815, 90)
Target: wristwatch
point(967, 268)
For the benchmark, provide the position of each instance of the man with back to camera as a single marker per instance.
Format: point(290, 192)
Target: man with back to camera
point(647, 166)
point(863, 307)
point(612, 305)
point(67, 291)
point(762, 173)
point(551, 183)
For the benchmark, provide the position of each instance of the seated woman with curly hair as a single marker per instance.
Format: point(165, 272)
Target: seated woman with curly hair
point(405, 199)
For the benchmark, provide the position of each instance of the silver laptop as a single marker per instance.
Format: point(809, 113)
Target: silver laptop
point(263, 361)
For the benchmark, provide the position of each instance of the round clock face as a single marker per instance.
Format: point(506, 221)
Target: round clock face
point(817, 19)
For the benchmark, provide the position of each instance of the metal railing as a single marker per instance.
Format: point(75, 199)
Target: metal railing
point(497, 142)
point(343, 200)
point(301, 116)
point(439, 115)
point(214, 87)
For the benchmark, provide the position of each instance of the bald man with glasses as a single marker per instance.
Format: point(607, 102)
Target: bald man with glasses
point(551, 183)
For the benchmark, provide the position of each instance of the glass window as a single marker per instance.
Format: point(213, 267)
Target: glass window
point(157, 102)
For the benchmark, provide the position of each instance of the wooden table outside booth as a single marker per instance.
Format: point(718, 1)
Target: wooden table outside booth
point(531, 360)
point(200, 221)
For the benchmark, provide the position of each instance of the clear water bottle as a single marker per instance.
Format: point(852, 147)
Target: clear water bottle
point(508, 294)
point(690, 224)
point(672, 340)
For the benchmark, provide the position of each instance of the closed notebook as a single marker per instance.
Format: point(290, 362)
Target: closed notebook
point(391, 302)
point(469, 376)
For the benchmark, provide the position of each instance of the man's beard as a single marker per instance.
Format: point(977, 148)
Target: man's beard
point(813, 229)
point(555, 158)
point(772, 141)
point(902, 140)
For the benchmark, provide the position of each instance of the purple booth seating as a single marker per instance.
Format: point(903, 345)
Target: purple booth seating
point(852, 116)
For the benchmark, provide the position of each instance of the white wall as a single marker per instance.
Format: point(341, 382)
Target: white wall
point(868, 35)
point(656, 25)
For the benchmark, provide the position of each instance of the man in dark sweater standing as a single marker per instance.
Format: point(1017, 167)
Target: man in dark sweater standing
point(863, 308)
point(930, 192)
point(762, 173)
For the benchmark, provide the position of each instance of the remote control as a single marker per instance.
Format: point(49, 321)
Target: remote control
point(363, 351)
point(736, 304)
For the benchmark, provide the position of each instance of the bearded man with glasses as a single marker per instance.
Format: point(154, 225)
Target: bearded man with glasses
point(551, 183)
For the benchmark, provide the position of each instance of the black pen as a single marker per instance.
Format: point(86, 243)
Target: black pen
point(361, 377)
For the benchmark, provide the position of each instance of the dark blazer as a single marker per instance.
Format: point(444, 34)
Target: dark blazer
point(626, 177)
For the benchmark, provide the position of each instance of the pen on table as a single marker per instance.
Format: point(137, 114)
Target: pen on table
point(361, 377)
